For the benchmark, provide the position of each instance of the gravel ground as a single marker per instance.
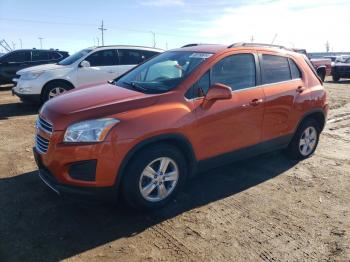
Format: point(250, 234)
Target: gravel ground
point(267, 208)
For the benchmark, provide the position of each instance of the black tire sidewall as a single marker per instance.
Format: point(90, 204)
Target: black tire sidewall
point(293, 148)
point(130, 182)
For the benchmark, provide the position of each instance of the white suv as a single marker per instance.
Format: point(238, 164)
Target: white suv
point(87, 67)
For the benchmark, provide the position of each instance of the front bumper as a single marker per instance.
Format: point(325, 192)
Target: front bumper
point(34, 98)
point(70, 190)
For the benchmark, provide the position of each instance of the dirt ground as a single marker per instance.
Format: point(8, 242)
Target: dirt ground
point(264, 209)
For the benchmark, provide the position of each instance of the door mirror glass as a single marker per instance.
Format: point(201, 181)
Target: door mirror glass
point(216, 92)
point(85, 63)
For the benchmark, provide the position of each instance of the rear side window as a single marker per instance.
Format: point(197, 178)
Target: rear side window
point(130, 57)
point(236, 71)
point(148, 54)
point(17, 57)
point(275, 69)
point(294, 70)
point(40, 55)
point(102, 58)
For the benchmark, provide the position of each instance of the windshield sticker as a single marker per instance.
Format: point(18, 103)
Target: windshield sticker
point(201, 55)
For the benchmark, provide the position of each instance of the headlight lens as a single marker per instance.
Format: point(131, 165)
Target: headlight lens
point(89, 131)
point(31, 75)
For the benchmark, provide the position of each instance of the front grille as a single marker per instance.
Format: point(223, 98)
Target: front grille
point(41, 144)
point(44, 125)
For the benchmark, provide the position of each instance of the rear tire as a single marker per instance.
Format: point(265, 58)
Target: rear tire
point(146, 185)
point(54, 89)
point(335, 78)
point(305, 140)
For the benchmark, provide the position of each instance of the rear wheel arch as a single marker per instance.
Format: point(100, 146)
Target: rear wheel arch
point(176, 140)
point(318, 115)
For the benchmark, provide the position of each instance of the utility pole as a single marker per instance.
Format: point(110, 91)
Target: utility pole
point(41, 42)
point(20, 41)
point(14, 45)
point(102, 29)
point(252, 39)
point(327, 46)
point(154, 38)
point(166, 45)
point(98, 41)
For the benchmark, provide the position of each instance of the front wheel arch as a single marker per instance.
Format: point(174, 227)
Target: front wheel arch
point(66, 82)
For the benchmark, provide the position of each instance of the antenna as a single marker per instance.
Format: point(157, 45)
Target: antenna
point(274, 38)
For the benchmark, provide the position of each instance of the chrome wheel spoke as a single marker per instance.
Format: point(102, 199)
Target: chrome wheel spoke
point(149, 172)
point(147, 190)
point(162, 191)
point(164, 163)
point(172, 176)
point(302, 142)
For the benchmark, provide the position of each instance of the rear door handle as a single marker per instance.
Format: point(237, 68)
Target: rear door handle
point(300, 89)
point(255, 102)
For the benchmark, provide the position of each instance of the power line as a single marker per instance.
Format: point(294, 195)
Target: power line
point(92, 25)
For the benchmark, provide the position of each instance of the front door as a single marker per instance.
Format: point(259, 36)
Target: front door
point(103, 67)
point(231, 124)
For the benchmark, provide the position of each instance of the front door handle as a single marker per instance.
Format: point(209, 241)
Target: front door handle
point(255, 102)
point(300, 89)
point(111, 72)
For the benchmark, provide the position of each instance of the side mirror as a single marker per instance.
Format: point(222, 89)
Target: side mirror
point(216, 92)
point(85, 63)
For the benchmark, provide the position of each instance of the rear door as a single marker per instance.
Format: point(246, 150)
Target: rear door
point(103, 67)
point(14, 62)
point(282, 82)
point(230, 124)
point(40, 57)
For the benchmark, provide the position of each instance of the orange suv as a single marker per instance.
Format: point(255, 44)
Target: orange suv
point(183, 111)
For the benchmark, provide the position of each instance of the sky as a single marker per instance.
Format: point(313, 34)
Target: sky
point(72, 25)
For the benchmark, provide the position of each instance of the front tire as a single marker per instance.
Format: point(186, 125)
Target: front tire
point(305, 140)
point(154, 176)
point(54, 89)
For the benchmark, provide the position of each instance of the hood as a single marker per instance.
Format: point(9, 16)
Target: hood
point(91, 103)
point(41, 68)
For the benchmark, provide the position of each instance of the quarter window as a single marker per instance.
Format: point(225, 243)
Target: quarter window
point(200, 88)
point(294, 70)
point(102, 58)
point(236, 71)
point(275, 69)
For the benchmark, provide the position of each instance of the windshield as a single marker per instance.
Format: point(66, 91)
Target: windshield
point(162, 73)
point(71, 59)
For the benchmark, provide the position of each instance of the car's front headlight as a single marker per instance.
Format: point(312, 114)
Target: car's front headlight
point(31, 75)
point(89, 131)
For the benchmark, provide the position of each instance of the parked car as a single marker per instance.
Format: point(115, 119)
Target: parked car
point(341, 70)
point(182, 112)
point(323, 66)
point(88, 66)
point(16, 60)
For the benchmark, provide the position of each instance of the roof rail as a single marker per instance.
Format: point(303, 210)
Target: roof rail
point(257, 44)
point(195, 44)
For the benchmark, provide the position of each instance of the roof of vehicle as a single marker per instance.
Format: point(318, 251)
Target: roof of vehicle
point(28, 49)
point(217, 48)
point(129, 47)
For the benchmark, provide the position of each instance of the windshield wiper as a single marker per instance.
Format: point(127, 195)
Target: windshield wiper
point(135, 86)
